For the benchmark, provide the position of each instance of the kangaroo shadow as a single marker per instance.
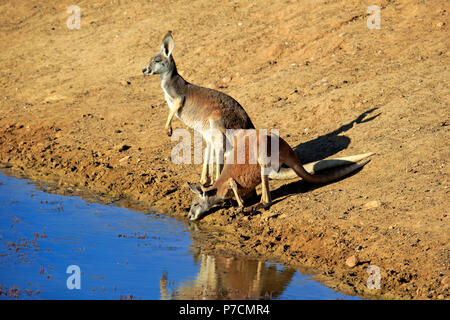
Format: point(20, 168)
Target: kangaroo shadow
point(318, 149)
point(301, 186)
point(330, 143)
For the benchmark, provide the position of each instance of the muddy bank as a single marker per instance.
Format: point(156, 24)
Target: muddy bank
point(77, 112)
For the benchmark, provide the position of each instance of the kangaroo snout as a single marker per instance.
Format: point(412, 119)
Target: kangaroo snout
point(193, 216)
point(147, 71)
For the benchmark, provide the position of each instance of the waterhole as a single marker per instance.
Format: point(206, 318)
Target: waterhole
point(63, 247)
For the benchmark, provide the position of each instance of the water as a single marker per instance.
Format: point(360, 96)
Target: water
point(122, 254)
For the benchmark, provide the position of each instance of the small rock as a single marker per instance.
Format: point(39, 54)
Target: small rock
point(125, 83)
point(270, 215)
point(441, 297)
point(352, 261)
point(372, 204)
point(445, 282)
point(226, 79)
point(244, 237)
point(122, 147)
point(124, 159)
point(54, 98)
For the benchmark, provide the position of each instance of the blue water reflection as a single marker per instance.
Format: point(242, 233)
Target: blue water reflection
point(122, 254)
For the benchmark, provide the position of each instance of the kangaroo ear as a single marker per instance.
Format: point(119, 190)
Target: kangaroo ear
point(167, 44)
point(196, 188)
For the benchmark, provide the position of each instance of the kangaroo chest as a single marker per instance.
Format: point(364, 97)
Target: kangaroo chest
point(185, 113)
point(167, 96)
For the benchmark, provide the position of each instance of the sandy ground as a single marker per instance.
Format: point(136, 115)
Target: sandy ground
point(71, 99)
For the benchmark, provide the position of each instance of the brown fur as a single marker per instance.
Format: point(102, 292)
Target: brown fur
point(241, 180)
point(206, 104)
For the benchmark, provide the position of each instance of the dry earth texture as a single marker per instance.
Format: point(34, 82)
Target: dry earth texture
point(76, 110)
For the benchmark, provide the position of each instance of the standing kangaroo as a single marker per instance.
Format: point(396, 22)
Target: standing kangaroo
point(241, 179)
point(202, 109)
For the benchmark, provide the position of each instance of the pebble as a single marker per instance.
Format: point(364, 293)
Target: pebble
point(372, 204)
point(446, 282)
point(53, 98)
point(352, 261)
point(122, 147)
point(124, 159)
point(270, 215)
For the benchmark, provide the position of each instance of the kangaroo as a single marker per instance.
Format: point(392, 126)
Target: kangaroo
point(199, 108)
point(241, 179)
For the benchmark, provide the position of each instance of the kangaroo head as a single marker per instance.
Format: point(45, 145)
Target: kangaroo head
point(162, 62)
point(204, 200)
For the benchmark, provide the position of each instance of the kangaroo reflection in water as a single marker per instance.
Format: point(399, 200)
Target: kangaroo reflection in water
point(229, 278)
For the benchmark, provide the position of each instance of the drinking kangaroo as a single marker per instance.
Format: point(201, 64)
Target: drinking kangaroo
point(202, 109)
point(241, 178)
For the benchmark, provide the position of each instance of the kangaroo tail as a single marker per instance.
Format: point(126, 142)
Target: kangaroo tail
point(307, 172)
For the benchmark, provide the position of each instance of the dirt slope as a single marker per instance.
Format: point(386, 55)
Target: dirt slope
point(70, 99)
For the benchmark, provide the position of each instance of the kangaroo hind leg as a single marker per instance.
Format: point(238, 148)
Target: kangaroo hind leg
point(234, 187)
